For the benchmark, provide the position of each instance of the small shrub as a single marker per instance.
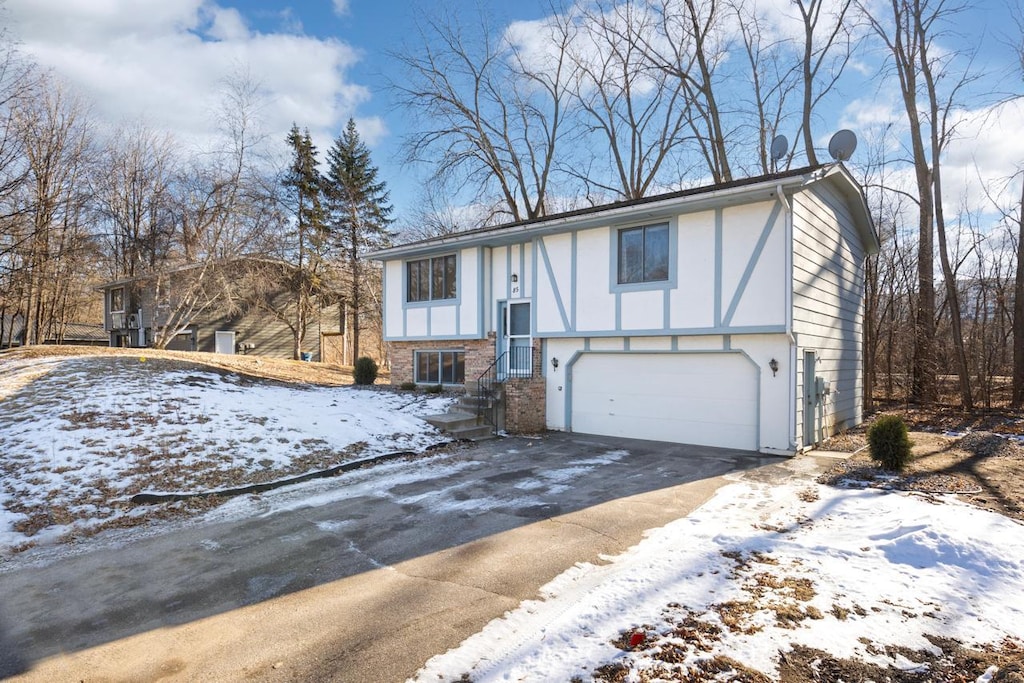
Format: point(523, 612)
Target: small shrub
point(433, 389)
point(407, 386)
point(365, 370)
point(888, 442)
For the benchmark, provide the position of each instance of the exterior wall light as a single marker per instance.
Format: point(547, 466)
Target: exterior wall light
point(515, 278)
point(774, 365)
point(554, 363)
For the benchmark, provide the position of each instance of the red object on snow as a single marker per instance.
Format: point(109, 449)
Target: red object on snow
point(637, 638)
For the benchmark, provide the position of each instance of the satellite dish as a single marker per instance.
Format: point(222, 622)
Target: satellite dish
point(780, 145)
point(842, 145)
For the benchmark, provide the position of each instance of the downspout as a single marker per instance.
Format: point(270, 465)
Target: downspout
point(788, 212)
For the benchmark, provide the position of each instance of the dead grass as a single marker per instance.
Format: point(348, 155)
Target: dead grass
point(288, 371)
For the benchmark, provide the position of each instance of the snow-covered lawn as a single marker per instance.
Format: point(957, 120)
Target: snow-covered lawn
point(765, 569)
point(80, 435)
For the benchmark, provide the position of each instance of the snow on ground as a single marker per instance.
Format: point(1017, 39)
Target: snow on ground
point(79, 436)
point(760, 569)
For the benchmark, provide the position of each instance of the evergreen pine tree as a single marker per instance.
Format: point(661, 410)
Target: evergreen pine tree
point(359, 213)
point(305, 189)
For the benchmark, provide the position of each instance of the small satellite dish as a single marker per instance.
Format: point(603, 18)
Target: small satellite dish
point(842, 145)
point(780, 145)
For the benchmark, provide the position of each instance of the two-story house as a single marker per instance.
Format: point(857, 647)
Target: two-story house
point(728, 315)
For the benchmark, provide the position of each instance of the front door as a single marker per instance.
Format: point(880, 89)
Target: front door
point(515, 344)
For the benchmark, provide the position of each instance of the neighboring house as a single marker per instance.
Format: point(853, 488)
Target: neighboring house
point(12, 330)
point(12, 333)
point(233, 312)
point(725, 316)
point(79, 334)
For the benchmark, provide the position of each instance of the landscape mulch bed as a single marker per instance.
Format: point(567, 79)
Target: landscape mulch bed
point(980, 458)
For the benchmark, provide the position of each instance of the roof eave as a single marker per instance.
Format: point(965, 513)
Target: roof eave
point(655, 208)
point(854, 193)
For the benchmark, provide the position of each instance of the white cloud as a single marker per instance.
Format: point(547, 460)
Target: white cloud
point(228, 24)
point(341, 7)
point(166, 61)
point(988, 149)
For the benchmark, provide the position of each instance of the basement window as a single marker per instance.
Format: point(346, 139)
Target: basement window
point(440, 367)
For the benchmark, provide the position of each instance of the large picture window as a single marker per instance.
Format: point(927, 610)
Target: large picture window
point(440, 367)
point(643, 254)
point(431, 279)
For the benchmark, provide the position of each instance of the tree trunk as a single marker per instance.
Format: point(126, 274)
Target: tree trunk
point(356, 275)
point(1017, 399)
point(923, 386)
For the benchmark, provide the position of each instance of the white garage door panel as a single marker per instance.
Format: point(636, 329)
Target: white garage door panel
point(706, 399)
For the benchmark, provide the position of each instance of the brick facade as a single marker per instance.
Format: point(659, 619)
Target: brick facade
point(525, 399)
point(479, 354)
point(525, 408)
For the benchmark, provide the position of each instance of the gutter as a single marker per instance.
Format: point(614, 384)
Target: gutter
point(788, 209)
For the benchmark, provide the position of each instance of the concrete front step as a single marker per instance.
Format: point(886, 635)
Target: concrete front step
point(446, 422)
point(477, 433)
point(472, 404)
point(461, 425)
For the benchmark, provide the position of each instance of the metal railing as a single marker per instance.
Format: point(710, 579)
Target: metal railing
point(516, 362)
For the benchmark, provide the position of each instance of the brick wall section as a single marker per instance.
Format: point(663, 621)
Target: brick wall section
point(525, 410)
point(479, 354)
point(525, 405)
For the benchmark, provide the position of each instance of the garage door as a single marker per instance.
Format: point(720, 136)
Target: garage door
point(708, 399)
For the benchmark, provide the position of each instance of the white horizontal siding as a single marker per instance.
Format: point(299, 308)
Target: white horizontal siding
point(828, 287)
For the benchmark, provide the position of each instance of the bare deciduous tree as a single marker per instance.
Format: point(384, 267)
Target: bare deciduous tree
point(133, 199)
point(633, 109)
point(827, 48)
point(54, 134)
point(488, 116)
point(905, 32)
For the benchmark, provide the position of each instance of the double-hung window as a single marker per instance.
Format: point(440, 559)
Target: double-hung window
point(431, 279)
point(440, 367)
point(643, 254)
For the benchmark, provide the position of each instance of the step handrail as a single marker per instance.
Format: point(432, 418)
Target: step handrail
point(509, 365)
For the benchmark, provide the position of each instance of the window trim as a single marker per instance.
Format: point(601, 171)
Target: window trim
point(614, 286)
point(457, 299)
point(437, 352)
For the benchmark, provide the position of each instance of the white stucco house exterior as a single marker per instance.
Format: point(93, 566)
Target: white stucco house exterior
point(725, 316)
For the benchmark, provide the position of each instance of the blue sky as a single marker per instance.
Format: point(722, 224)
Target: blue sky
point(323, 61)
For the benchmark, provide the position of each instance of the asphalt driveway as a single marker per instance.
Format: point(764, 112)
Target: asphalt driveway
point(358, 578)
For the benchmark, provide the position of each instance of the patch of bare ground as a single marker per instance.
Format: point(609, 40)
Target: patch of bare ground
point(276, 369)
point(948, 662)
point(681, 652)
point(980, 458)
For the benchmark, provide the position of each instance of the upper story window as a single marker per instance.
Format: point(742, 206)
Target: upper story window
point(117, 300)
point(431, 279)
point(643, 254)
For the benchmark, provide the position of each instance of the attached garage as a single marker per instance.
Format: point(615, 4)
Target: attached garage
point(706, 398)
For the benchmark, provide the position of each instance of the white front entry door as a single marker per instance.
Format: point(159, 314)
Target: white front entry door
point(515, 341)
point(708, 399)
